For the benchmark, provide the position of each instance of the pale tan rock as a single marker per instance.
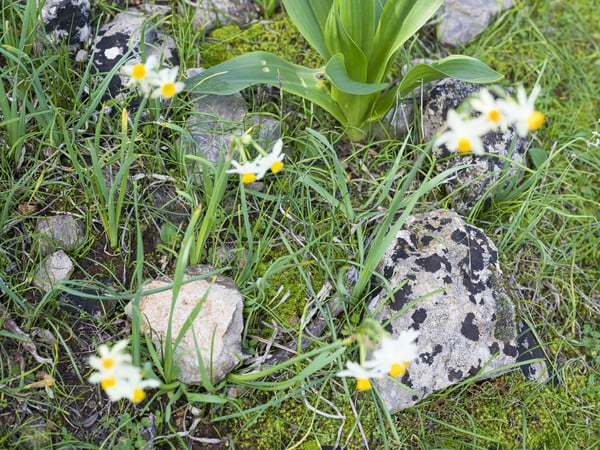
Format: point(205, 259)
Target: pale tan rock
point(217, 329)
point(57, 267)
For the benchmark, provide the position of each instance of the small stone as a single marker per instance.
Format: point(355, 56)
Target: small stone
point(63, 231)
point(213, 13)
point(57, 267)
point(447, 284)
point(396, 122)
point(216, 331)
point(217, 119)
point(462, 20)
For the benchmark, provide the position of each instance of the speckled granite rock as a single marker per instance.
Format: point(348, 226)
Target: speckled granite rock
point(217, 119)
point(462, 20)
point(61, 231)
point(213, 13)
point(217, 329)
point(124, 33)
point(477, 182)
point(57, 267)
point(454, 296)
point(67, 22)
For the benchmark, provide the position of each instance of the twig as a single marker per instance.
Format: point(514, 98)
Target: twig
point(24, 338)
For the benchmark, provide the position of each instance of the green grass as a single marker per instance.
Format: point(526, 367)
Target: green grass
point(290, 240)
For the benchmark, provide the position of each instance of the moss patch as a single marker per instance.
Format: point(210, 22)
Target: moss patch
point(278, 36)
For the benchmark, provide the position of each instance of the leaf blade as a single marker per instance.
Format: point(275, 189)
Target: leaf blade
point(265, 68)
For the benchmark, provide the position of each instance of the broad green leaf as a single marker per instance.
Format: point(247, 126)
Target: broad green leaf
point(309, 16)
point(399, 21)
point(266, 68)
point(339, 77)
point(538, 156)
point(460, 67)
point(358, 19)
point(354, 98)
point(463, 68)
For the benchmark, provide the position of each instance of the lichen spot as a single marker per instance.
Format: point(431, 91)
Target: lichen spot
point(263, 62)
point(112, 53)
point(266, 69)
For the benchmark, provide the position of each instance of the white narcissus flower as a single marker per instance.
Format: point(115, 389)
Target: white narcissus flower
point(131, 386)
point(248, 170)
point(110, 358)
point(463, 135)
point(394, 355)
point(139, 386)
point(362, 375)
point(522, 112)
point(142, 74)
point(492, 109)
point(273, 161)
point(117, 384)
point(117, 376)
point(165, 83)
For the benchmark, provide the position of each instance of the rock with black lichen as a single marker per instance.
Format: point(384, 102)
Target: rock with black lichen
point(67, 22)
point(486, 174)
point(124, 34)
point(444, 275)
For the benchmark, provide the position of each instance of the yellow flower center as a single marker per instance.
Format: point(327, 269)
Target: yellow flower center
point(363, 384)
point(398, 369)
point(248, 178)
point(108, 382)
point(463, 145)
point(494, 116)
point(276, 166)
point(139, 72)
point(535, 120)
point(168, 90)
point(107, 362)
point(138, 395)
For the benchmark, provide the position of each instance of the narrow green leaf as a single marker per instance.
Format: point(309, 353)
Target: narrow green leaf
point(266, 68)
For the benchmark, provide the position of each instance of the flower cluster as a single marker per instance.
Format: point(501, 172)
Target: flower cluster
point(464, 133)
point(254, 170)
point(392, 357)
point(152, 80)
point(117, 376)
